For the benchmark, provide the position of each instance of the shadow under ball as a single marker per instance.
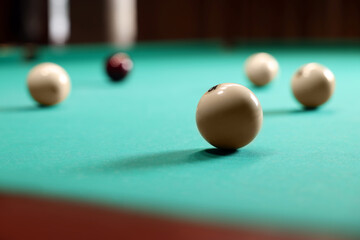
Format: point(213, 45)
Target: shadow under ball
point(48, 84)
point(313, 85)
point(229, 116)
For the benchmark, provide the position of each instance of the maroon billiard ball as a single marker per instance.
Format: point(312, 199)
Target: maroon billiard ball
point(118, 66)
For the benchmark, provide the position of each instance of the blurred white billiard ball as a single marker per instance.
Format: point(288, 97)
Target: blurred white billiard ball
point(229, 116)
point(313, 85)
point(48, 84)
point(261, 68)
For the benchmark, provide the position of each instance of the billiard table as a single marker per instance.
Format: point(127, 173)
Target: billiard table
point(127, 158)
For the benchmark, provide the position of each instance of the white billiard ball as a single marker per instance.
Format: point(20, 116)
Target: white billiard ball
point(261, 68)
point(229, 116)
point(48, 84)
point(313, 85)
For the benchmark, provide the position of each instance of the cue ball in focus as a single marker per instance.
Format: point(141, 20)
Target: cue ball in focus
point(313, 85)
point(261, 68)
point(48, 83)
point(229, 116)
point(118, 66)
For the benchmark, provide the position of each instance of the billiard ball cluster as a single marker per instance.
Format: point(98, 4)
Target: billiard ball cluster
point(229, 115)
point(312, 84)
point(49, 84)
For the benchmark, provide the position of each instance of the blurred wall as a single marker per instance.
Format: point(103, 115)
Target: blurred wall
point(88, 21)
point(234, 19)
point(197, 19)
point(23, 21)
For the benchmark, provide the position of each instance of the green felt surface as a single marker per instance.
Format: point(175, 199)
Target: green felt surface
point(135, 144)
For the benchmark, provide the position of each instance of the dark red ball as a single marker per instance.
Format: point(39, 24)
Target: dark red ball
point(118, 66)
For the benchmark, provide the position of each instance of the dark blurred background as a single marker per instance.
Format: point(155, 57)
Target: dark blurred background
point(24, 21)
